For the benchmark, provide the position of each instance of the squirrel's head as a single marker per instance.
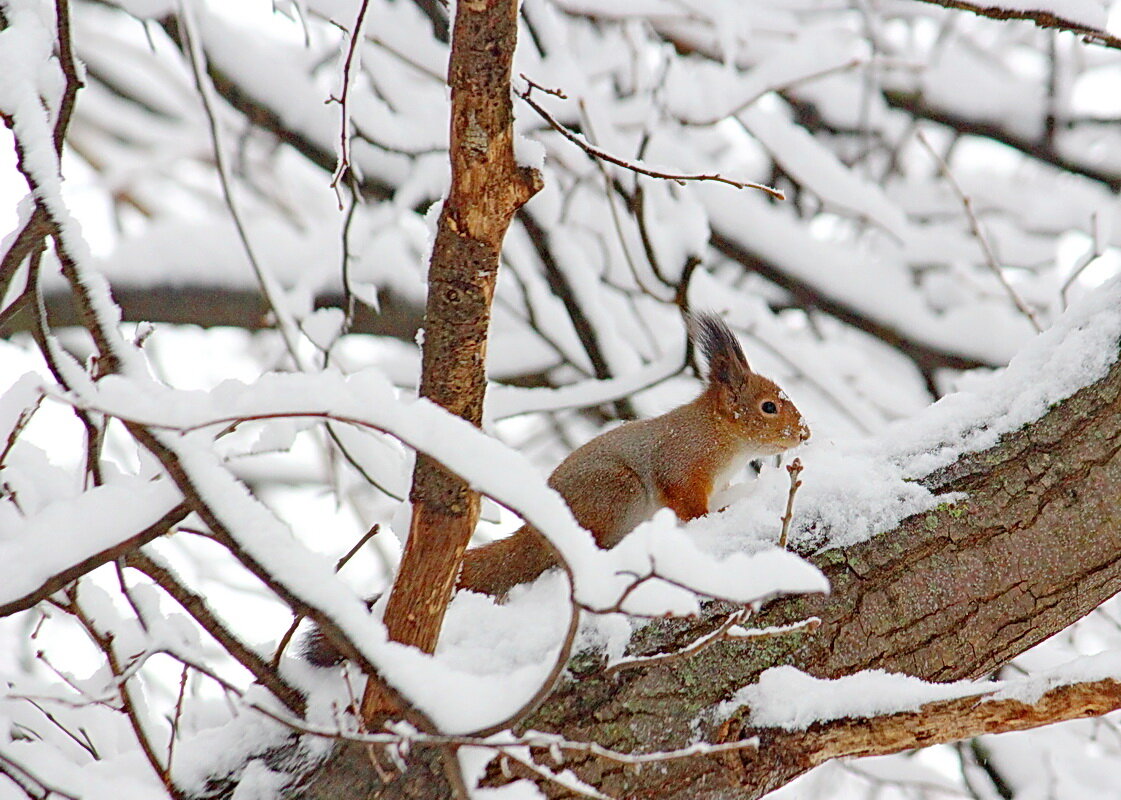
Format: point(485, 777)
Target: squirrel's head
point(758, 409)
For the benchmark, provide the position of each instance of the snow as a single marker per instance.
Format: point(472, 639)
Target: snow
point(895, 250)
point(785, 697)
point(854, 489)
point(813, 165)
point(367, 399)
point(77, 529)
point(871, 283)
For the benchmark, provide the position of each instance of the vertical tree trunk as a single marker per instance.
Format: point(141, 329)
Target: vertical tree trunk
point(487, 188)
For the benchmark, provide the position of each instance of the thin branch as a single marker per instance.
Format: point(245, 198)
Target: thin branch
point(343, 167)
point(728, 630)
point(599, 153)
point(274, 662)
point(196, 606)
point(272, 292)
point(1092, 254)
point(1043, 19)
point(979, 233)
point(177, 716)
point(698, 644)
point(795, 469)
point(61, 579)
point(352, 552)
point(82, 742)
point(69, 68)
point(104, 641)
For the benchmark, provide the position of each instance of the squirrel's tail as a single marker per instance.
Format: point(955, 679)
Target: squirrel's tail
point(497, 567)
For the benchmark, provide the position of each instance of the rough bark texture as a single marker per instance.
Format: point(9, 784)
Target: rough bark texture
point(954, 720)
point(487, 189)
point(950, 594)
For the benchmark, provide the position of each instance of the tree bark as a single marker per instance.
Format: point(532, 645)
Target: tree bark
point(487, 189)
point(950, 594)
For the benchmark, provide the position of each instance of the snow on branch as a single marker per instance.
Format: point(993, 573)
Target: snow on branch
point(94, 528)
point(877, 713)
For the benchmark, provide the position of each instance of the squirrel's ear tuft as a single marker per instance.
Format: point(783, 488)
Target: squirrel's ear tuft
point(721, 349)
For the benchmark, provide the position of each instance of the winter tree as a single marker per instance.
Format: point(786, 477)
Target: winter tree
point(287, 286)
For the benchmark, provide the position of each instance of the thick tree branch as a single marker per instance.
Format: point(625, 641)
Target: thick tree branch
point(950, 594)
point(216, 306)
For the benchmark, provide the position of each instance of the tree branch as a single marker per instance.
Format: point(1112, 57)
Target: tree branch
point(950, 721)
point(60, 580)
point(487, 188)
point(1042, 18)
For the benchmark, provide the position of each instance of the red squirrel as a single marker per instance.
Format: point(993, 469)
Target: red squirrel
point(621, 477)
point(677, 460)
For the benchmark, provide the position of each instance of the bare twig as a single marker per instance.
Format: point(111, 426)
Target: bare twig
point(728, 630)
point(196, 606)
point(599, 153)
point(104, 641)
point(274, 662)
point(979, 233)
point(795, 469)
point(21, 422)
point(543, 89)
point(272, 292)
point(82, 742)
point(1042, 18)
point(177, 716)
point(343, 166)
point(352, 552)
point(1092, 254)
point(698, 644)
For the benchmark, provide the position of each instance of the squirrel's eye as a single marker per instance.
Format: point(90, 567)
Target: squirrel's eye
point(769, 407)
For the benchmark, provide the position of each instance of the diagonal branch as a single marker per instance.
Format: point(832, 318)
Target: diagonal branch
point(61, 579)
point(953, 720)
point(196, 606)
point(1041, 17)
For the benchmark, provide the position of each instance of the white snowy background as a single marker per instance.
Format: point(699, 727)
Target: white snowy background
point(951, 190)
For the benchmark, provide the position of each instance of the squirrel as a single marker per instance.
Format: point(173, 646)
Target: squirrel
point(620, 478)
